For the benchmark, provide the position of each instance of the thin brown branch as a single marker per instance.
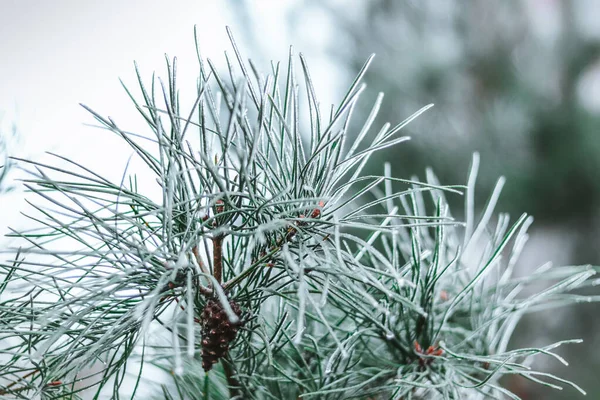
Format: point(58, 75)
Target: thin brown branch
point(7, 390)
point(288, 236)
point(196, 320)
point(218, 245)
point(199, 260)
point(232, 382)
point(218, 257)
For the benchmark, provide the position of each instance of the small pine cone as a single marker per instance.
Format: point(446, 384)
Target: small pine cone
point(217, 332)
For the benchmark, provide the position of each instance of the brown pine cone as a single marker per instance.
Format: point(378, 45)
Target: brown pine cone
point(217, 332)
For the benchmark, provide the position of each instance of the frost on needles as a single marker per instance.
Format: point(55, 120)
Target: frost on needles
point(261, 261)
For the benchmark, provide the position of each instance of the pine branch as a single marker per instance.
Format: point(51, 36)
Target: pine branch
point(271, 252)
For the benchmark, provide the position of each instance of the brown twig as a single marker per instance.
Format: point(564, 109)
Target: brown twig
point(5, 391)
point(199, 260)
point(289, 235)
point(196, 320)
point(207, 291)
point(426, 357)
point(234, 385)
point(218, 245)
point(203, 289)
point(218, 258)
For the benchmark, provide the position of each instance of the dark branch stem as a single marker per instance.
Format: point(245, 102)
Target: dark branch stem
point(7, 390)
point(288, 236)
point(199, 260)
point(218, 257)
point(207, 291)
point(234, 385)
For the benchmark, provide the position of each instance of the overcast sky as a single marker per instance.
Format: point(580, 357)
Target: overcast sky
point(57, 54)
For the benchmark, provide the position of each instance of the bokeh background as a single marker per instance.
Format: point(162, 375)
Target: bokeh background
point(517, 81)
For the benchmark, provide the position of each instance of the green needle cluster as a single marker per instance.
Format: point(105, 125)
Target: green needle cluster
point(320, 281)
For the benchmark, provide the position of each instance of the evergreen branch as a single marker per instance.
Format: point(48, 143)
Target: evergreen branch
point(303, 275)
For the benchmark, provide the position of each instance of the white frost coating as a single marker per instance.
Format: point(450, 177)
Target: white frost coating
point(485, 219)
point(233, 318)
point(302, 295)
point(376, 234)
point(341, 347)
point(182, 261)
point(338, 351)
point(325, 292)
point(470, 203)
point(191, 337)
point(176, 349)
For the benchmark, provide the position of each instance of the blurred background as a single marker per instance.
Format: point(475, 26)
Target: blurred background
point(517, 81)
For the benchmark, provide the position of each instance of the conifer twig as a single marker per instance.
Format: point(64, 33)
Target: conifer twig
point(334, 282)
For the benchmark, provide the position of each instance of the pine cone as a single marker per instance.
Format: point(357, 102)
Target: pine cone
point(217, 332)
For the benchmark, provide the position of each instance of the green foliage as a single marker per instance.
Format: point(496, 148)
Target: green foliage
point(350, 285)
